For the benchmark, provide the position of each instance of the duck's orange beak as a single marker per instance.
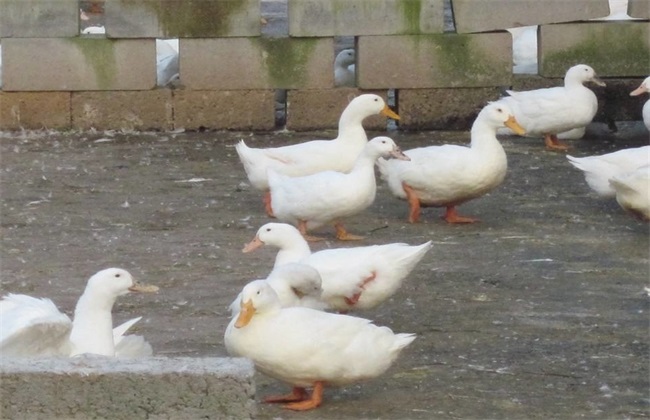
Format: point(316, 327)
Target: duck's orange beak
point(512, 124)
point(253, 245)
point(641, 89)
point(387, 112)
point(246, 312)
point(143, 288)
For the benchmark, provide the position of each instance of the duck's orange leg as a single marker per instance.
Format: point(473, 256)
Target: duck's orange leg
point(452, 216)
point(343, 235)
point(553, 143)
point(414, 203)
point(297, 394)
point(302, 228)
point(267, 204)
point(313, 402)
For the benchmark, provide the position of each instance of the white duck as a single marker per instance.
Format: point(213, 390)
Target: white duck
point(598, 170)
point(295, 284)
point(550, 111)
point(633, 192)
point(644, 88)
point(448, 175)
point(352, 278)
point(35, 327)
point(344, 69)
point(313, 200)
point(314, 156)
point(308, 348)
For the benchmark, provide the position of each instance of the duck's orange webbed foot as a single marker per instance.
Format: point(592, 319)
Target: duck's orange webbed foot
point(343, 235)
point(553, 143)
point(297, 394)
point(308, 404)
point(451, 216)
point(302, 228)
point(414, 203)
point(267, 204)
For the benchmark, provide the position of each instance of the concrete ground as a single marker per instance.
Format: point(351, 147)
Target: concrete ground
point(537, 311)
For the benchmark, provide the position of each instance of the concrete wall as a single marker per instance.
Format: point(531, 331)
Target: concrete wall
point(229, 71)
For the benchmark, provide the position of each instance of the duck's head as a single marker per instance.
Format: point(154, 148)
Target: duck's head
point(272, 234)
point(256, 297)
point(117, 282)
point(345, 58)
point(583, 73)
point(371, 104)
point(499, 114)
point(302, 279)
point(643, 88)
point(385, 147)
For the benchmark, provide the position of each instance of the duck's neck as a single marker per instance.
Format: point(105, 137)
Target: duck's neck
point(572, 83)
point(92, 328)
point(484, 137)
point(292, 250)
point(350, 125)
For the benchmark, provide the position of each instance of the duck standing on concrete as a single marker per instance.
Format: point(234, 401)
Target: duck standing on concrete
point(644, 88)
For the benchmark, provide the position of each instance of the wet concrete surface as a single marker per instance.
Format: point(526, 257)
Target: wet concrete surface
point(537, 311)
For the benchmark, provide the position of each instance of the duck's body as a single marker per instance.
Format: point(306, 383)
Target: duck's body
point(314, 156)
point(305, 347)
point(295, 284)
point(34, 327)
point(644, 88)
point(344, 69)
point(633, 192)
point(311, 201)
point(547, 112)
point(448, 175)
point(352, 278)
point(598, 170)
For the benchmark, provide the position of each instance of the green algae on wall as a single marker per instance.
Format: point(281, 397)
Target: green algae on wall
point(191, 18)
point(286, 59)
point(617, 49)
point(100, 55)
point(411, 11)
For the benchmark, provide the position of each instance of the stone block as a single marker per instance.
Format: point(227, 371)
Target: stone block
point(39, 18)
point(257, 63)
point(442, 109)
point(432, 61)
point(41, 64)
point(129, 110)
point(34, 110)
point(182, 18)
point(639, 9)
point(612, 48)
point(308, 18)
point(224, 110)
point(321, 109)
point(490, 15)
point(124, 389)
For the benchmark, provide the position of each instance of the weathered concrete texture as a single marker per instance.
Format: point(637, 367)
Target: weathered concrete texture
point(116, 389)
point(442, 109)
point(34, 110)
point(257, 63)
point(132, 110)
point(181, 18)
point(42, 64)
point(617, 48)
point(483, 16)
point(639, 8)
point(321, 109)
point(39, 18)
point(433, 61)
point(224, 109)
point(364, 17)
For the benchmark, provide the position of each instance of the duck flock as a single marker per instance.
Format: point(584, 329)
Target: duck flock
point(295, 324)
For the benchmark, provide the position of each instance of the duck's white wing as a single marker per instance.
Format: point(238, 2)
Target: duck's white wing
point(32, 327)
point(130, 346)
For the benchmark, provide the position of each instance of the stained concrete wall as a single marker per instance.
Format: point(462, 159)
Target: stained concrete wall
point(229, 71)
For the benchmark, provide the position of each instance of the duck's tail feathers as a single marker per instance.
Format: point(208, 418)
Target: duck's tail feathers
point(402, 340)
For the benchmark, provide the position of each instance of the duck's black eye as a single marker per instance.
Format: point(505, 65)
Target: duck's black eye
point(268, 229)
point(117, 275)
point(499, 110)
point(259, 291)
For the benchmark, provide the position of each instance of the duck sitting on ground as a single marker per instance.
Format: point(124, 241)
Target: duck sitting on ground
point(314, 156)
point(644, 88)
point(633, 192)
point(599, 170)
point(352, 278)
point(550, 111)
point(33, 327)
point(308, 348)
point(449, 175)
point(313, 200)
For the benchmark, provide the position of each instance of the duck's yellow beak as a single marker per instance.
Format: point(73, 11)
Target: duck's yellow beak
point(387, 112)
point(641, 89)
point(253, 245)
point(512, 124)
point(143, 288)
point(246, 312)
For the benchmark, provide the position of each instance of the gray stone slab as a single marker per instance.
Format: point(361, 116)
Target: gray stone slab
point(39, 18)
point(639, 9)
point(108, 388)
